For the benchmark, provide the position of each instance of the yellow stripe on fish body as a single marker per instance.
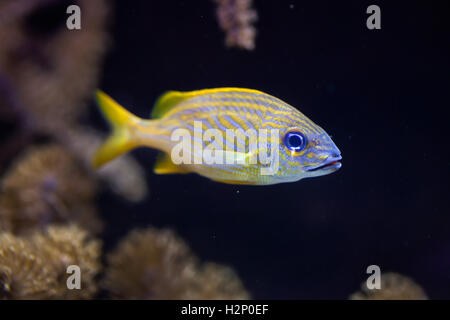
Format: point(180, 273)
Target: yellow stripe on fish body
point(222, 109)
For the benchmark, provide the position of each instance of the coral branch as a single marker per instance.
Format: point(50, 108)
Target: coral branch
point(36, 267)
point(47, 185)
point(235, 17)
point(156, 264)
point(394, 286)
point(51, 70)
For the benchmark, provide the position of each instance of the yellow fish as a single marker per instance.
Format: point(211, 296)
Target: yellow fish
point(230, 135)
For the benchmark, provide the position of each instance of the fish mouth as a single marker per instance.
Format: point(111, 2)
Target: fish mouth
point(331, 163)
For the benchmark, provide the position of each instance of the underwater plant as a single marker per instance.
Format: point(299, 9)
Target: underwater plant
point(47, 75)
point(65, 246)
point(47, 185)
point(35, 267)
point(218, 282)
point(48, 72)
point(23, 274)
point(157, 264)
point(236, 18)
point(394, 286)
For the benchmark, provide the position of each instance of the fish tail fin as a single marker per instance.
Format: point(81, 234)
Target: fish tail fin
point(121, 139)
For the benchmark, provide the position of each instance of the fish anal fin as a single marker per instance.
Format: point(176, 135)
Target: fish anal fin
point(164, 165)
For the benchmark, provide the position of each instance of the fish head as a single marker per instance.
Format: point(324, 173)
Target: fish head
point(306, 150)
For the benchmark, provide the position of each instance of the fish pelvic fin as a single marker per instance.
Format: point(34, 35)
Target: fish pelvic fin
point(171, 99)
point(122, 122)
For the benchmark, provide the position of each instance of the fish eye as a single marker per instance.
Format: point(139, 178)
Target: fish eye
point(295, 141)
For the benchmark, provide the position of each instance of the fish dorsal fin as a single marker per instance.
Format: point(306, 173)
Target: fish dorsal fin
point(170, 99)
point(167, 101)
point(164, 165)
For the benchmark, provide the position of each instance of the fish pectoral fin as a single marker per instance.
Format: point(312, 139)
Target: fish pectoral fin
point(164, 165)
point(239, 159)
point(235, 158)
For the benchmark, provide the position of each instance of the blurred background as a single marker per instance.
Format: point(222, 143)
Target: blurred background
point(381, 94)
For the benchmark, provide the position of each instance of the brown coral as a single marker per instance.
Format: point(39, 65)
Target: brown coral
point(236, 17)
point(217, 282)
point(149, 264)
point(394, 286)
point(156, 264)
point(23, 274)
point(36, 267)
point(47, 70)
point(45, 186)
point(65, 246)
